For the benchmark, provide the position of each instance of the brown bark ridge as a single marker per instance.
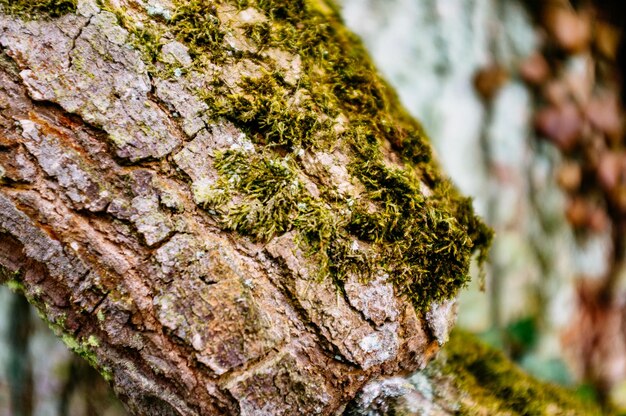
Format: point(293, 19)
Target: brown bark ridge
point(106, 160)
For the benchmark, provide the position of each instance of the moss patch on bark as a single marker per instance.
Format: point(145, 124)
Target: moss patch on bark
point(31, 9)
point(407, 221)
point(488, 383)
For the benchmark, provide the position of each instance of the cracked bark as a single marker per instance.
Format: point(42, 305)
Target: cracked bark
point(101, 230)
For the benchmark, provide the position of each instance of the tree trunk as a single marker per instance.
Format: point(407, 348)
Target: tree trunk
point(220, 205)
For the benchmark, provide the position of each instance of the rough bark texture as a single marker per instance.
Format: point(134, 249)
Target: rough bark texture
point(109, 164)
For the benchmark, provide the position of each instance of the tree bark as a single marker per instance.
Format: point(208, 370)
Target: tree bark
point(121, 123)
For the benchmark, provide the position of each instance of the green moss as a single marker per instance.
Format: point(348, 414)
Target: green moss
point(424, 243)
point(83, 348)
point(339, 102)
point(15, 285)
point(61, 320)
point(272, 200)
point(196, 24)
point(259, 33)
point(488, 383)
point(263, 110)
point(269, 188)
point(106, 374)
point(148, 40)
point(92, 341)
point(38, 8)
point(13, 279)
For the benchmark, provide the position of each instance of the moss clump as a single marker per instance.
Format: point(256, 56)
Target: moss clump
point(148, 40)
point(488, 383)
point(424, 249)
point(263, 110)
point(269, 188)
point(31, 9)
point(272, 200)
point(196, 24)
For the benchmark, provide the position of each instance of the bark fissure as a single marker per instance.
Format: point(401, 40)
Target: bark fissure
point(70, 58)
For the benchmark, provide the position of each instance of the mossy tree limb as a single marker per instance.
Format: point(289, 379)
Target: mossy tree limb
point(470, 378)
point(220, 203)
